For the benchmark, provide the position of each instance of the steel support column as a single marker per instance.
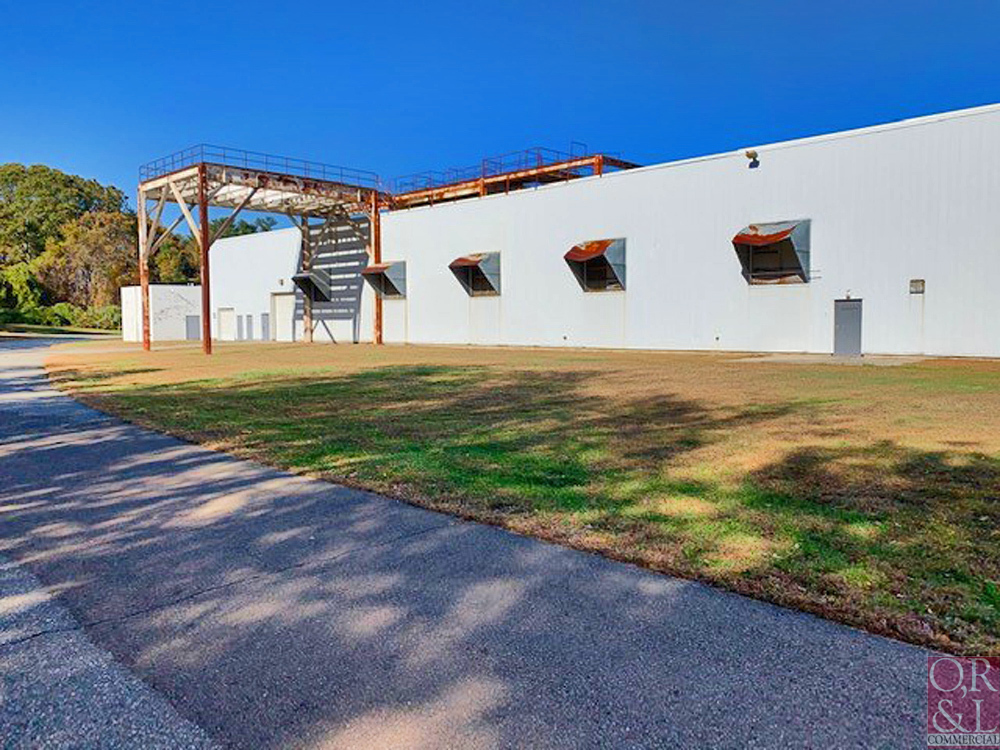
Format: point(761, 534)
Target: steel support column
point(144, 268)
point(204, 230)
point(307, 302)
point(375, 240)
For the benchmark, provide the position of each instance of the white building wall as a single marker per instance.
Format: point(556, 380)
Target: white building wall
point(916, 199)
point(246, 270)
point(169, 306)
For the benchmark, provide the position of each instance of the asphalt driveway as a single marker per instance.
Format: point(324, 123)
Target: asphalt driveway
point(264, 610)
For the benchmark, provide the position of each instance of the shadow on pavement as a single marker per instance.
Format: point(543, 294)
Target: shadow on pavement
point(274, 611)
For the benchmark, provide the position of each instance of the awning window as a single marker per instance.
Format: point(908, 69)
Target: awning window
point(775, 253)
point(478, 274)
point(315, 284)
point(387, 279)
point(598, 265)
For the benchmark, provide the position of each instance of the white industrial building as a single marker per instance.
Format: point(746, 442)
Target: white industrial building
point(879, 240)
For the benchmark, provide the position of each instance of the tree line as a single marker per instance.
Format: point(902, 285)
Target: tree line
point(68, 244)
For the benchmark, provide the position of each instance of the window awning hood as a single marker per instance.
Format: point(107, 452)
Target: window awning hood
point(610, 251)
point(487, 263)
point(758, 235)
point(596, 249)
point(395, 272)
point(786, 241)
point(315, 283)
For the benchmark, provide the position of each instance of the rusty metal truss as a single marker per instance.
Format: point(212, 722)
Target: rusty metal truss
point(208, 176)
point(501, 174)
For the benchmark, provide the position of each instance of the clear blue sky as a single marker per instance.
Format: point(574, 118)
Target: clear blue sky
point(398, 87)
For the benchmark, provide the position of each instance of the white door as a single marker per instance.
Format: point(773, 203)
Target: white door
point(227, 324)
point(283, 316)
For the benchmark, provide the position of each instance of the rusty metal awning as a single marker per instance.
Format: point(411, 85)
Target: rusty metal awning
point(588, 250)
point(387, 279)
point(479, 273)
point(768, 234)
point(774, 253)
point(468, 260)
point(598, 259)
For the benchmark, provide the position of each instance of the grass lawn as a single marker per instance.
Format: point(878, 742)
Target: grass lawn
point(867, 494)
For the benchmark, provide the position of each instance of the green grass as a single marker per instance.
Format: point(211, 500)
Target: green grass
point(837, 497)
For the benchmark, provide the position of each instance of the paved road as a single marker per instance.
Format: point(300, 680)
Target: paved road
point(275, 611)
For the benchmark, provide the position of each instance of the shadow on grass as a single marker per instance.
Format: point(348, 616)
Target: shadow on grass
point(275, 611)
point(895, 539)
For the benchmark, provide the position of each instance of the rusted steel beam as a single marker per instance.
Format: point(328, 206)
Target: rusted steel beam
point(375, 241)
point(205, 242)
point(163, 236)
point(510, 180)
point(276, 192)
point(307, 303)
point(232, 216)
point(144, 270)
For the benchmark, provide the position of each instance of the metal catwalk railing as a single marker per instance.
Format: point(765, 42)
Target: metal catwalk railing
point(234, 157)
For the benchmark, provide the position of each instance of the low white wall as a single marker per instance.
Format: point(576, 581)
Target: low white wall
point(169, 307)
point(910, 200)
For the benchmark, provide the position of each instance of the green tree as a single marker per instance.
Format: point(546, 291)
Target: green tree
point(19, 289)
point(95, 256)
point(241, 226)
point(177, 261)
point(35, 203)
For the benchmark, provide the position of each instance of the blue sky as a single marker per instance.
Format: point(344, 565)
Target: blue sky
point(98, 89)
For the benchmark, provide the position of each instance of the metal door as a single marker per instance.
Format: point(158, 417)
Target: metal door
point(283, 316)
point(192, 327)
point(249, 327)
point(227, 324)
point(847, 327)
point(265, 326)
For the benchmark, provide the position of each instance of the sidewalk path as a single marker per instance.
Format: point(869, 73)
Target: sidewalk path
point(276, 611)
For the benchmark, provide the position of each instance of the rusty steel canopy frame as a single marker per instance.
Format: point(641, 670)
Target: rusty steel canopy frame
point(501, 174)
point(208, 176)
point(213, 176)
